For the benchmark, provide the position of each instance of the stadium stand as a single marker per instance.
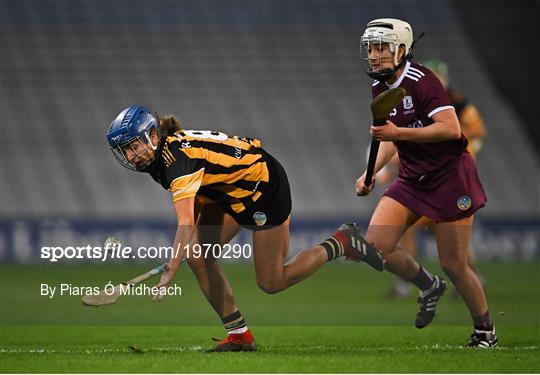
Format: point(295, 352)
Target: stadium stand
point(288, 73)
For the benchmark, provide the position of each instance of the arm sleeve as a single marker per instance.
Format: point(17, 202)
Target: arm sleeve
point(432, 95)
point(184, 175)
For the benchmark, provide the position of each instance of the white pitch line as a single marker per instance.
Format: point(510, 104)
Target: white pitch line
point(101, 351)
point(269, 348)
point(412, 348)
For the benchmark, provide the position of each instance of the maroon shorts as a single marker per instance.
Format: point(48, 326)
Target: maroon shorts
point(451, 193)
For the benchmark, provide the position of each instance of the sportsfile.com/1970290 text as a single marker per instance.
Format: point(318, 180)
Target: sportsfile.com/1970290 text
point(117, 251)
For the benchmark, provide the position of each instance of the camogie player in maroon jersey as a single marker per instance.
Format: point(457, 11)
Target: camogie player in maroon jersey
point(437, 176)
point(472, 127)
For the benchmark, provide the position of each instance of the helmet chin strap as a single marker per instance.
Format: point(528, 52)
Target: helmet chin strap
point(150, 144)
point(148, 136)
point(384, 74)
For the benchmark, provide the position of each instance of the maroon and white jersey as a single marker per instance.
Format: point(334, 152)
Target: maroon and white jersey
point(425, 96)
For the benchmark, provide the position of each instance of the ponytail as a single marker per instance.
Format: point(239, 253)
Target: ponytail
point(169, 124)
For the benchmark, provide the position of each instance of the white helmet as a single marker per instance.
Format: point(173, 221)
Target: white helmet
point(392, 31)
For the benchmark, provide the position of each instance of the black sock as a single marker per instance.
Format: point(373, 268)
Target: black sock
point(482, 322)
point(333, 248)
point(234, 323)
point(423, 279)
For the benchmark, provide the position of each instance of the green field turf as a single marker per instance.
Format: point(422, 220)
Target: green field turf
point(282, 349)
point(340, 320)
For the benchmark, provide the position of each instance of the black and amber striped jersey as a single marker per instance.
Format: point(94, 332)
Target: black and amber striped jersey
point(212, 166)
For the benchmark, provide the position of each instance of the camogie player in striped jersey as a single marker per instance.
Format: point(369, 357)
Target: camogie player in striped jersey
point(437, 177)
point(227, 183)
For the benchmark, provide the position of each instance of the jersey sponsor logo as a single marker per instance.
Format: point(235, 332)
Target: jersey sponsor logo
point(407, 102)
point(464, 202)
point(259, 218)
point(237, 150)
point(416, 124)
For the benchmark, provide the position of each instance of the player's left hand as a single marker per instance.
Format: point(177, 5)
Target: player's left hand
point(166, 279)
point(387, 132)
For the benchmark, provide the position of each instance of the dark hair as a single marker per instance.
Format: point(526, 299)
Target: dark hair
point(169, 124)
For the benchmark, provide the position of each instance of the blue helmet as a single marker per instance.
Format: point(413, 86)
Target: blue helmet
point(132, 124)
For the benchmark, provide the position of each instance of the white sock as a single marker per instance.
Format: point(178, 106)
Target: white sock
point(238, 330)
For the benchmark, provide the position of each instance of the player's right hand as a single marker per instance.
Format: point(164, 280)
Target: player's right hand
point(166, 280)
point(361, 188)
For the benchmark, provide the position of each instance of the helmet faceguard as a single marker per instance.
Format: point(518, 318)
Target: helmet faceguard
point(132, 145)
point(385, 33)
point(130, 134)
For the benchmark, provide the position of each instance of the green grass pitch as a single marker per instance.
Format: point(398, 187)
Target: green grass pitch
point(338, 321)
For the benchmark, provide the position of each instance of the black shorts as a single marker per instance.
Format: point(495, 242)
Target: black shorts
point(274, 205)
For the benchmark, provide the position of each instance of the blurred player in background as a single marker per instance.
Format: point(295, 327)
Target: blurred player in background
point(227, 183)
point(437, 177)
point(472, 127)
